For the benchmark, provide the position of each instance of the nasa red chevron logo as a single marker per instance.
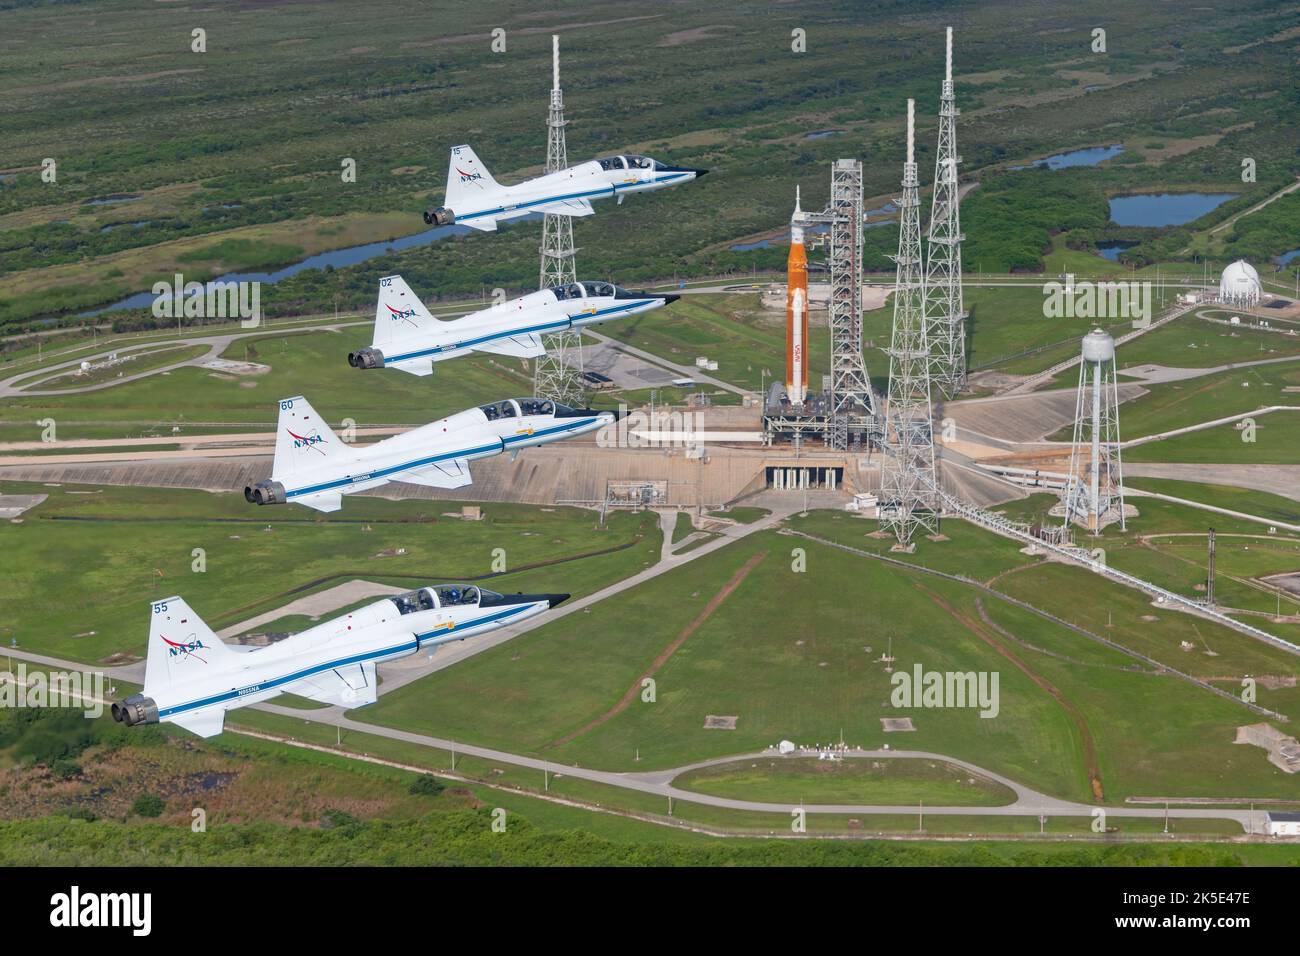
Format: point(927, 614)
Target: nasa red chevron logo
point(186, 648)
point(401, 314)
point(306, 441)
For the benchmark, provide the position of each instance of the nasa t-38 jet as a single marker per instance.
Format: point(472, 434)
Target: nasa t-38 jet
point(409, 338)
point(192, 678)
point(477, 200)
point(313, 468)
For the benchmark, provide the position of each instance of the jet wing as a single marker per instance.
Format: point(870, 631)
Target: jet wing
point(351, 686)
point(205, 723)
point(525, 345)
point(420, 366)
point(489, 223)
point(325, 501)
point(444, 474)
point(568, 207)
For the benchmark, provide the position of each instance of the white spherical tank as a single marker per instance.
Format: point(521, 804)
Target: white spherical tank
point(1239, 283)
point(1098, 346)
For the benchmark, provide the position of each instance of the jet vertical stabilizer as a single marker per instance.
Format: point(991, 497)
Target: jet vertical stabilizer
point(399, 313)
point(302, 440)
point(181, 647)
point(468, 181)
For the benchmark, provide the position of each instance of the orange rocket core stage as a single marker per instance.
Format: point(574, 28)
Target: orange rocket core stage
point(796, 314)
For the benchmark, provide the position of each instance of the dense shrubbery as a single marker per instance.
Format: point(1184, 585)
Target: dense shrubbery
point(465, 838)
point(1010, 219)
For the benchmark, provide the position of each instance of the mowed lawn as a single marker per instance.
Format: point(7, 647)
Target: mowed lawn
point(809, 671)
point(1271, 438)
point(893, 781)
point(313, 364)
point(790, 655)
point(1191, 342)
point(1173, 405)
point(82, 567)
point(1246, 500)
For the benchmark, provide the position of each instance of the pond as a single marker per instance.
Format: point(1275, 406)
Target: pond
point(1164, 209)
point(338, 258)
point(1089, 156)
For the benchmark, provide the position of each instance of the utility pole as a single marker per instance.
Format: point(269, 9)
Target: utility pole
point(1209, 579)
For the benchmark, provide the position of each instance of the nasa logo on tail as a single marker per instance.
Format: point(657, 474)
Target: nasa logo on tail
point(306, 441)
point(401, 314)
point(186, 648)
point(476, 178)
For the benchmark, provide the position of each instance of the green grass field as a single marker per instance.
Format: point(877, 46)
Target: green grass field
point(811, 672)
point(808, 780)
point(121, 549)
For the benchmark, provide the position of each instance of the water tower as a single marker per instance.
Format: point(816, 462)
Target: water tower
point(1094, 494)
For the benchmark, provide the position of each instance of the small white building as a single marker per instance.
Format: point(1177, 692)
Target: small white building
point(1282, 824)
point(1239, 284)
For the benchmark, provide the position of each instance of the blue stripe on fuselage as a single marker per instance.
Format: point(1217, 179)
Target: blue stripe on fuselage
point(470, 343)
point(412, 645)
point(432, 459)
point(611, 190)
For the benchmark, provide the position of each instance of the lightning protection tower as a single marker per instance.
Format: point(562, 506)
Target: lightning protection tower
point(944, 311)
point(908, 486)
point(1094, 493)
point(557, 375)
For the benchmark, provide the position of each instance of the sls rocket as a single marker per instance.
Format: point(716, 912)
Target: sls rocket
point(796, 311)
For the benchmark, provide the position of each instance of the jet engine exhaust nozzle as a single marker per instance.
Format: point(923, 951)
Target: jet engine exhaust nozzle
point(367, 357)
point(136, 709)
point(442, 216)
point(265, 493)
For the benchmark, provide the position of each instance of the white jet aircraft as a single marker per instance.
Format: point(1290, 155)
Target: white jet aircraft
point(409, 338)
point(192, 677)
point(477, 200)
point(313, 468)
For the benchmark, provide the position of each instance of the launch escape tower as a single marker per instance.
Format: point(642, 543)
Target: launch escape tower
point(557, 375)
point(907, 497)
point(944, 313)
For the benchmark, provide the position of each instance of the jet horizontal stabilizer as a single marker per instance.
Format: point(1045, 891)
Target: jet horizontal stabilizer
point(419, 367)
point(321, 502)
point(205, 723)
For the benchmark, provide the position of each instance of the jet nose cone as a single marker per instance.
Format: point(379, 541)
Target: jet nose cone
point(700, 172)
point(554, 600)
point(669, 299)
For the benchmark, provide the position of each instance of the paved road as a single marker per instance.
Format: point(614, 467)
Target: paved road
point(686, 371)
point(1028, 802)
point(218, 342)
point(660, 782)
point(1255, 208)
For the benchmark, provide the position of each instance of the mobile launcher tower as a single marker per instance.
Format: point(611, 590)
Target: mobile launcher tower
point(1094, 492)
point(843, 412)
